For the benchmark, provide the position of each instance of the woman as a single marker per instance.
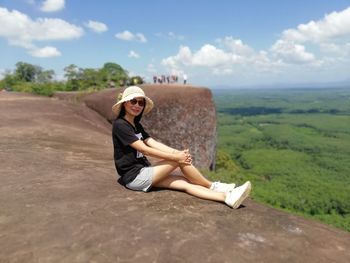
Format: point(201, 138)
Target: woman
point(131, 144)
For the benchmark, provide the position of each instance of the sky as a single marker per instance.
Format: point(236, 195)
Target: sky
point(215, 43)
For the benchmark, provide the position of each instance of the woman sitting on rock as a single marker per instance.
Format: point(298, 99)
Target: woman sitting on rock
point(131, 144)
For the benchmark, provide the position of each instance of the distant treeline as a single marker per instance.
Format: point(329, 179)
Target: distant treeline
point(250, 111)
point(32, 78)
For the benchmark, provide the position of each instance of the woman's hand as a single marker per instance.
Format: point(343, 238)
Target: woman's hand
point(189, 158)
point(183, 157)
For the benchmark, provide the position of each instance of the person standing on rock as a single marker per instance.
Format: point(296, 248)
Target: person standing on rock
point(185, 79)
point(131, 143)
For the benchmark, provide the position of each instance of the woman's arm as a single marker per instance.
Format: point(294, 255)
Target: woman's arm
point(179, 156)
point(159, 146)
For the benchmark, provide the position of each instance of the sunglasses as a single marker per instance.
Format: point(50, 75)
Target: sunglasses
point(135, 101)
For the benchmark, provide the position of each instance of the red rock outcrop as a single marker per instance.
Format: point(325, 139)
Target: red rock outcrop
point(183, 117)
point(60, 202)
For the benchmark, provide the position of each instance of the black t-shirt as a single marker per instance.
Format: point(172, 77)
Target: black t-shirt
point(128, 161)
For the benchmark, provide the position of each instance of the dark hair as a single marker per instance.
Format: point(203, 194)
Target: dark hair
point(137, 118)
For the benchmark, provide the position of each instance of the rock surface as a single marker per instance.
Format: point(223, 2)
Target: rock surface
point(60, 202)
point(183, 117)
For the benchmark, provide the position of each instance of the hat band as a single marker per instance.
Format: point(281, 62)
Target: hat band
point(132, 96)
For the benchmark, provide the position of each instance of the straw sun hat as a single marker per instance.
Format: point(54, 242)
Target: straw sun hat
point(129, 94)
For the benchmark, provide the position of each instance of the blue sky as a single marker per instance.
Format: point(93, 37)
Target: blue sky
point(221, 42)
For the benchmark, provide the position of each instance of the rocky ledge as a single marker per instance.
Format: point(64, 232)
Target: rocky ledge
point(60, 202)
point(183, 117)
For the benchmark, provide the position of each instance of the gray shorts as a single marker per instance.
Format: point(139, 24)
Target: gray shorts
point(143, 180)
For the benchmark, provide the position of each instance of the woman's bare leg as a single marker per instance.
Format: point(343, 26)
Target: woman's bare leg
point(194, 176)
point(162, 170)
point(180, 183)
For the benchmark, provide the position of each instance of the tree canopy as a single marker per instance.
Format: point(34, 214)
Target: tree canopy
point(33, 78)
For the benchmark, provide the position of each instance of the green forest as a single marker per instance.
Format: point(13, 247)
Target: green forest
point(31, 78)
point(293, 144)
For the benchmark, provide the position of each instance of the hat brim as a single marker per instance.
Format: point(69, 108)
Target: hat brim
point(149, 103)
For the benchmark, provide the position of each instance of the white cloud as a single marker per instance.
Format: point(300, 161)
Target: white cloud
point(45, 52)
point(291, 52)
point(54, 29)
point(329, 35)
point(302, 52)
point(52, 5)
point(234, 57)
point(207, 56)
point(183, 57)
point(330, 48)
point(232, 52)
point(333, 25)
point(21, 30)
point(210, 56)
point(170, 35)
point(264, 62)
point(96, 26)
point(339, 50)
point(133, 54)
point(140, 37)
point(128, 36)
point(151, 68)
point(236, 46)
point(309, 48)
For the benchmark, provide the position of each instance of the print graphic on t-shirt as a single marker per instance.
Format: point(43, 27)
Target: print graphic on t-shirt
point(139, 154)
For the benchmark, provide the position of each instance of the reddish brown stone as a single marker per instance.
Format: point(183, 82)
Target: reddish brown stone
point(183, 117)
point(60, 202)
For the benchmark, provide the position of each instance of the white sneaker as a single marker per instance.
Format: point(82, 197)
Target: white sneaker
point(235, 197)
point(222, 187)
